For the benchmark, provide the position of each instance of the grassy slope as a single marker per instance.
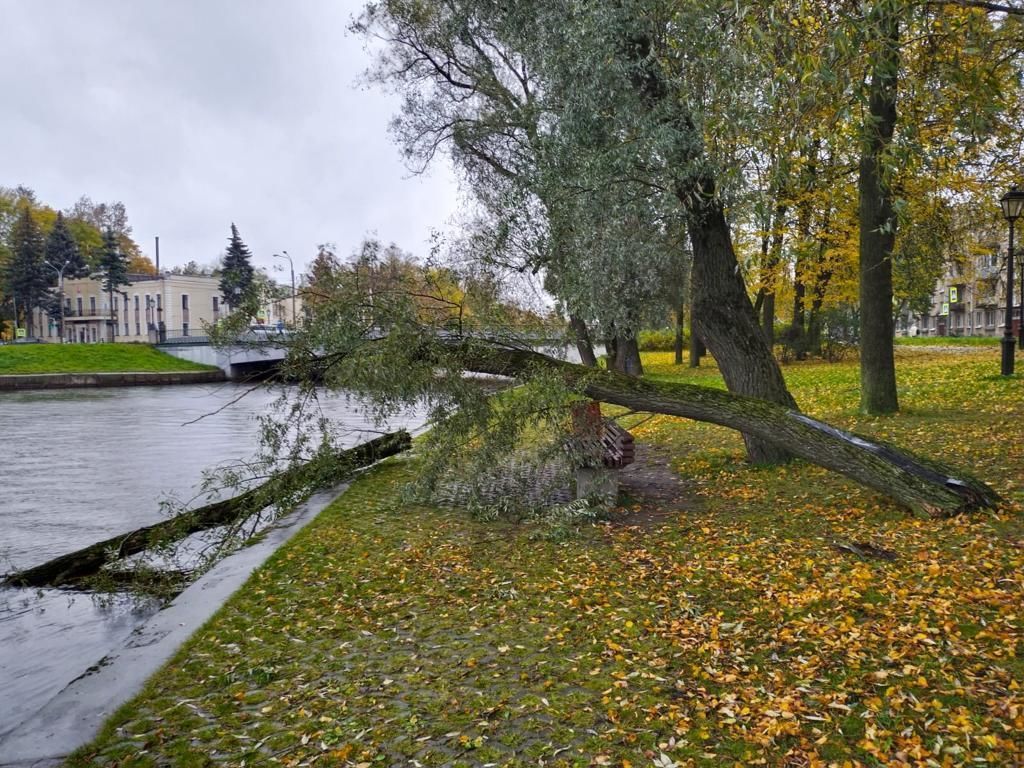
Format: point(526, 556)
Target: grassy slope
point(731, 636)
point(88, 358)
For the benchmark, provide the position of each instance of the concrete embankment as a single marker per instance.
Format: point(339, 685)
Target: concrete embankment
point(120, 379)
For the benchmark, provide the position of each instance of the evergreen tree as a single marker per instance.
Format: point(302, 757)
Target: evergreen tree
point(61, 248)
point(236, 276)
point(114, 265)
point(25, 276)
point(65, 258)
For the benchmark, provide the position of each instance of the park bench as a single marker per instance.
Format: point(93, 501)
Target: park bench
point(600, 446)
point(617, 449)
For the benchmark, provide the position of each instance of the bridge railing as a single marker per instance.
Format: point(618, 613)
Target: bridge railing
point(178, 336)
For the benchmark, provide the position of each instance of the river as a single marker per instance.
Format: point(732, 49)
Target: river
point(81, 465)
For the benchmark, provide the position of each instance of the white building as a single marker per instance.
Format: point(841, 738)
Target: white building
point(149, 309)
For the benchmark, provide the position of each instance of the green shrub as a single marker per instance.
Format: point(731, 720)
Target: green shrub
point(658, 340)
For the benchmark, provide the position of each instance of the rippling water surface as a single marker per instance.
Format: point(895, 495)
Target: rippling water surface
point(81, 465)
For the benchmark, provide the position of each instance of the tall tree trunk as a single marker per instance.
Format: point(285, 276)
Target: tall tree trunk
point(924, 486)
point(770, 279)
point(627, 355)
point(697, 348)
point(725, 320)
point(878, 223)
point(677, 345)
point(582, 338)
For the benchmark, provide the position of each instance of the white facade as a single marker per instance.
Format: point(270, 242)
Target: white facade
point(150, 309)
point(180, 304)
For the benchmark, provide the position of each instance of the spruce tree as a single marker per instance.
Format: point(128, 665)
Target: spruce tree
point(61, 248)
point(236, 275)
point(114, 265)
point(25, 276)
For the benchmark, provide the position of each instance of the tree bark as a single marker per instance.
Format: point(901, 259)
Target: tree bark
point(926, 487)
point(678, 341)
point(878, 224)
point(581, 336)
point(697, 349)
point(70, 568)
point(627, 355)
point(726, 322)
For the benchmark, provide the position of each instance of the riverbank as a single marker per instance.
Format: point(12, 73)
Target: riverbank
point(733, 630)
point(77, 712)
point(63, 366)
point(28, 381)
point(24, 359)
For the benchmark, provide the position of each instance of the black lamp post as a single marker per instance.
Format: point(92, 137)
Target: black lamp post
point(1013, 205)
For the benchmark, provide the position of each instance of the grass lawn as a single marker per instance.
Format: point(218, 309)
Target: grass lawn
point(389, 634)
point(948, 341)
point(88, 358)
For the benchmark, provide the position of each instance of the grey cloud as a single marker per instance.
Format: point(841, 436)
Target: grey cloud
point(197, 114)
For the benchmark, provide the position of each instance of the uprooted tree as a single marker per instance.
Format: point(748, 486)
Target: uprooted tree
point(412, 357)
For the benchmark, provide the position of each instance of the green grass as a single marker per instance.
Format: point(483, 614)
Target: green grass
point(389, 634)
point(89, 358)
point(947, 341)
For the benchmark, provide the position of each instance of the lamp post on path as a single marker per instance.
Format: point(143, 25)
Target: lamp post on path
point(1013, 205)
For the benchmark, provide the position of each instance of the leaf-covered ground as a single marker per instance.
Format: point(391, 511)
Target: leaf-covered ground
point(733, 633)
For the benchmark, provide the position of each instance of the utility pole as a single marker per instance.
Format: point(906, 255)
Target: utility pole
point(292, 266)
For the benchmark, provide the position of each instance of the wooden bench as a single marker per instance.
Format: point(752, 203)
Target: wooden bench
point(617, 449)
point(600, 439)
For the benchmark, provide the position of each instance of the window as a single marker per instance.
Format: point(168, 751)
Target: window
point(138, 328)
point(184, 329)
point(79, 300)
point(126, 324)
point(216, 305)
point(149, 310)
point(185, 319)
point(92, 308)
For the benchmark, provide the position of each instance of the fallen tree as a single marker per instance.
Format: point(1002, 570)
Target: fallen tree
point(73, 568)
point(926, 487)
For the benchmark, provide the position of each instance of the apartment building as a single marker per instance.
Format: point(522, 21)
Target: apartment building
point(969, 300)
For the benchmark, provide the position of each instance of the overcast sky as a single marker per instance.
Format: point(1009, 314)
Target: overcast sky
point(199, 113)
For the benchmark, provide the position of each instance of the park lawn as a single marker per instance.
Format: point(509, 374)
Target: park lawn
point(89, 358)
point(948, 341)
point(733, 634)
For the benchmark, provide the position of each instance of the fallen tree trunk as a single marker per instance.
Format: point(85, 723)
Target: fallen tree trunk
point(69, 568)
point(923, 486)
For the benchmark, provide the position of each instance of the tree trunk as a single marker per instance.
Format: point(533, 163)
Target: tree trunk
point(878, 225)
point(678, 341)
point(725, 320)
point(67, 569)
point(581, 336)
point(697, 349)
point(770, 278)
point(925, 487)
point(627, 355)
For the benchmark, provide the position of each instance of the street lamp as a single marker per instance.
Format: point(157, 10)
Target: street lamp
point(60, 283)
point(292, 266)
point(1013, 205)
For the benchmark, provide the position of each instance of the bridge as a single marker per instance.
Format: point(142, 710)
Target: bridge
point(250, 359)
